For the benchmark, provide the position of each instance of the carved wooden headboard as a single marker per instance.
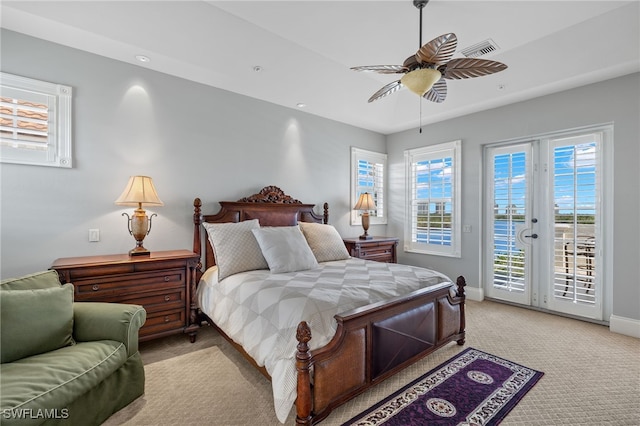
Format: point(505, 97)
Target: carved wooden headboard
point(271, 206)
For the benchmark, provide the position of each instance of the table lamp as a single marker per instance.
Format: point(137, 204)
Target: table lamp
point(364, 204)
point(138, 192)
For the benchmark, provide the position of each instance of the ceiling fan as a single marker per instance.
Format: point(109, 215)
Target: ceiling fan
point(426, 71)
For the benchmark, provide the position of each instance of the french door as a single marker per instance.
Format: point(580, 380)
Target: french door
point(543, 223)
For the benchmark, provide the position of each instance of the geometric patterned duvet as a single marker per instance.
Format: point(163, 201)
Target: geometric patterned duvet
point(261, 311)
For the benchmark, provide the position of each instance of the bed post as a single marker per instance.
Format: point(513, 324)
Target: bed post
point(461, 283)
point(197, 220)
point(325, 216)
point(197, 242)
point(303, 362)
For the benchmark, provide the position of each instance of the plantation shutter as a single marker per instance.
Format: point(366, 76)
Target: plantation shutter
point(433, 199)
point(510, 197)
point(371, 180)
point(23, 123)
point(576, 194)
point(35, 122)
point(369, 175)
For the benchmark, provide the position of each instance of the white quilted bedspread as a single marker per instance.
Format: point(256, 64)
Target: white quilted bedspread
point(261, 311)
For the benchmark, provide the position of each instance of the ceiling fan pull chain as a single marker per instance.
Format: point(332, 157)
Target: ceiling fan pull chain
point(420, 115)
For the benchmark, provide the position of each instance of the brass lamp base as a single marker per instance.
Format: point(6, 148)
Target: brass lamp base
point(139, 251)
point(139, 226)
point(365, 226)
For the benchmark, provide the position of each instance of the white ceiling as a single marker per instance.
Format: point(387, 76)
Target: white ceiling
point(305, 48)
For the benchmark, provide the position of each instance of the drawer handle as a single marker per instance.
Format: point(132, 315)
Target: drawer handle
point(166, 318)
point(95, 287)
point(167, 298)
point(166, 279)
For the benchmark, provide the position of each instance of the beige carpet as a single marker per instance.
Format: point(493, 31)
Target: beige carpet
point(592, 376)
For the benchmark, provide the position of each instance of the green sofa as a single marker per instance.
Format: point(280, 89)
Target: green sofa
point(65, 363)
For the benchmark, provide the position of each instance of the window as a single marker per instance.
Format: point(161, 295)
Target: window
point(433, 199)
point(368, 174)
point(35, 122)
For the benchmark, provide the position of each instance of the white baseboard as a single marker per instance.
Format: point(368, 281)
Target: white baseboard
point(474, 293)
point(626, 326)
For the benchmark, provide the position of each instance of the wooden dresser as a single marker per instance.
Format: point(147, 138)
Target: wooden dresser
point(381, 249)
point(163, 283)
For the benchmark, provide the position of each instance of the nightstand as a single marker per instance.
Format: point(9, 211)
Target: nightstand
point(163, 283)
point(381, 249)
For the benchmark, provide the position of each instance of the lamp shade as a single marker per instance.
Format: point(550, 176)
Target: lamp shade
point(139, 190)
point(365, 202)
point(420, 81)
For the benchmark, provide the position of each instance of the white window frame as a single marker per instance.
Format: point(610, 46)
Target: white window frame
point(434, 152)
point(379, 216)
point(57, 150)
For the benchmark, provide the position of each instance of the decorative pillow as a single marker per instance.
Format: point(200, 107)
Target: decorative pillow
point(325, 242)
point(45, 279)
point(285, 249)
point(35, 321)
point(235, 247)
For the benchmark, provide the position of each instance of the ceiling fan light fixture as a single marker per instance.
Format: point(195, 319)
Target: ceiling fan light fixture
point(420, 81)
point(426, 72)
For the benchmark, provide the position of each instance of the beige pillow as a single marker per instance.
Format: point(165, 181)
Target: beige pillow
point(325, 242)
point(285, 249)
point(235, 247)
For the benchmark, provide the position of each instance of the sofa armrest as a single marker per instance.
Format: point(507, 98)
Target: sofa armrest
point(108, 321)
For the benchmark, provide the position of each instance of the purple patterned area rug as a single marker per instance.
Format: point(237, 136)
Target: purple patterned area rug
point(472, 388)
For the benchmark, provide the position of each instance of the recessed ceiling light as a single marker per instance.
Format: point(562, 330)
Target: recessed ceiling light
point(257, 68)
point(301, 105)
point(143, 58)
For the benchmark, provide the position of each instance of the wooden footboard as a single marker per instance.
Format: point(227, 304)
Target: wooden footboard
point(373, 343)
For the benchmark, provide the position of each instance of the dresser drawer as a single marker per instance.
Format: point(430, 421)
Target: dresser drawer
point(379, 249)
point(163, 321)
point(117, 288)
point(379, 253)
point(157, 302)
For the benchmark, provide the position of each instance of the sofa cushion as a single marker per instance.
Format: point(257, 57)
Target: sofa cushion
point(35, 321)
point(55, 379)
point(45, 279)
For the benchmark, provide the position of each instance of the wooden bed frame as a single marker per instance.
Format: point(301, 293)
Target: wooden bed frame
point(371, 343)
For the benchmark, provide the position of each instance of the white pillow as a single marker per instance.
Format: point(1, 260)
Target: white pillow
point(285, 249)
point(325, 242)
point(235, 247)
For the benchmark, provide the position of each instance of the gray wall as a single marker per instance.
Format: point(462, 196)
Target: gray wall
point(614, 101)
point(197, 141)
point(193, 140)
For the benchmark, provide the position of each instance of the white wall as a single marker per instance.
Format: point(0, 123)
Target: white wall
point(193, 140)
point(615, 101)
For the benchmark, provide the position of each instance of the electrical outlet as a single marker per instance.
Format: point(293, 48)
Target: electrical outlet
point(94, 235)
point(466, 228)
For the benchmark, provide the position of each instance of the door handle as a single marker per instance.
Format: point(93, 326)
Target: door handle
point(534, 236)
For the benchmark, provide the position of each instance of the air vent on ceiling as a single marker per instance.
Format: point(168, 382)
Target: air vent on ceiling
point(480, 49)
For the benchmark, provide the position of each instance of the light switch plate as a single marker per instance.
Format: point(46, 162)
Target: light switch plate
point(94, 235)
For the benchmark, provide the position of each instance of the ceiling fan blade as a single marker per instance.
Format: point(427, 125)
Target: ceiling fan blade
point(382, 69)
point(470, 67)
point(438, 93)
point(386, 90)
point(439, 50)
